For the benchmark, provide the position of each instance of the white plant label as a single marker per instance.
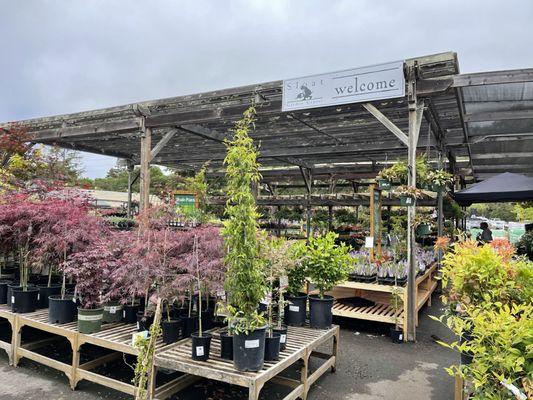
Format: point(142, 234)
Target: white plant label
point(251, 344)
point(401, 337)
point(97, 317)
point(294, 308)
point(199, 351)
point(124, 314)
point(283, 338)
point(112, 310)
point(143, 335)
point(12, 299)
point(38, 296)
point(138, 326)
point(283, 282)
point(369, 242)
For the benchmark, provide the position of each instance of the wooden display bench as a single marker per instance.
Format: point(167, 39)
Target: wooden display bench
point(380, 294)
point(301, 345)
point(10, 318)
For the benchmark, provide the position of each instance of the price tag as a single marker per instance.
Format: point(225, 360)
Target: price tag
point(283, 338)
point(294, 308)
point(369, 242)
point(251, 344)
point(112, 310)
point(38, 296)
point(124, 314)
point(12, 299)
point(199, 351)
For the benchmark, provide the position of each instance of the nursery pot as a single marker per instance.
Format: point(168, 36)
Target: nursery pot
point(201, 345)
point(396, 335)
point(296, 310)
point(320, 311)
point(144, 322)
point(407, 201)
point(180, 311)
point(61, 311)
point(272, 347)
point(90, 320)
point(24, 301)
point(249, 350)
point(262, 308)
point(171, 330)
point(112, 312)
point(466, 357)
point(423, 229)
point(283, 336)
point(45, 292)
point(226, 346)
point(129, 313)
point(3, 291)
point(189, 325)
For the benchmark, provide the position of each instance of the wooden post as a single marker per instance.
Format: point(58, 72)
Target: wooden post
point(440, 216)
point(330, 218)
point(415, 119)
point(146, 147)
point(130, 184)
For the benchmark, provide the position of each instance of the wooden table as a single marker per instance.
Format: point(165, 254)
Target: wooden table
point(301, 345)
point(380, 294)
point(10, 319)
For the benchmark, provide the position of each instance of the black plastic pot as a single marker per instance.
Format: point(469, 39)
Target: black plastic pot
point(320, 314)
point(249, 350)
point(129, 313)
point(226, 346)
point(25, 301)
point(396, 335)
point(3, 291)
point(171, 330)
point(45, 292)
point(90, 320)
point(262, 308)
point(189, 325)
point(201, 346)
point(272, 347)
point(296, 310)
point(61, 311)
point(112, 312)
point(144, 322)
point(466, 357)
point(207, 319)
point(182, 311)
point(283, 336)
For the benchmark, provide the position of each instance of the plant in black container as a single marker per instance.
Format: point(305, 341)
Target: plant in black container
point(396, 302)
point(327, 264)
point(295, 311)
point(245, 283)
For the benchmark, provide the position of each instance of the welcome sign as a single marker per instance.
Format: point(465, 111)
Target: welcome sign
point(376, 82)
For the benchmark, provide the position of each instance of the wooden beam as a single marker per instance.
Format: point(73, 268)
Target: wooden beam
point(498, 115)
point(386, 122)
point(146, 145)
point(494, 77)
point(90, 130)
point(162, 143)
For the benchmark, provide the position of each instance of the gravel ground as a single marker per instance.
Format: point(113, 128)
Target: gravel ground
point(370, 366)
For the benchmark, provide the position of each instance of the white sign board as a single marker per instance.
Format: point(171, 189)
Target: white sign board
point(376, 82)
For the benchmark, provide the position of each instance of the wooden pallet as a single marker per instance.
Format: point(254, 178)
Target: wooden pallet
point(10, 318)
point(301, 345)
point(380, 294)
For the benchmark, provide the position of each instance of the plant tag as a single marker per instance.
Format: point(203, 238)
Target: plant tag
point(199, 351)
point(138, 326)
point(142, 335)
point(369, 242)
point(112, 310)
point(12, 299)
point(74, 299)
point(294, 308)
point(283, 282)
point(221, 293)
point(251, 344)
point(38, 296)
point(400, 336)
point(124, 314)
point(283, 338)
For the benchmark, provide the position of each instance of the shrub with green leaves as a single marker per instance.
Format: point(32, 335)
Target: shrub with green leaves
point(245, 281)
point(297, 274)
point(326, 262)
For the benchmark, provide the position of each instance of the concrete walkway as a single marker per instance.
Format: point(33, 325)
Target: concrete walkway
point(370, 367)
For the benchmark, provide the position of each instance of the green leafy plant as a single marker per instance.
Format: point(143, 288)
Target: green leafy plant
point(396, 302)
point(297, 274)
point(408, 191)
point(440, 177)
point(326, 262)
point(245, 283)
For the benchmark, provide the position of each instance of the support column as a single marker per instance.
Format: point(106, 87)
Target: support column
point(440, 216)
point(307, 176)
point(146, 148)
point(330, 218)
point(415, 118)
point(130, 184)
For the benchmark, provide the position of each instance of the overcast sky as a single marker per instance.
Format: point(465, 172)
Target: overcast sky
point(72, 55)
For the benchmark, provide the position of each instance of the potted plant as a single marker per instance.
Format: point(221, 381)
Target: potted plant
point(422, 224)
point(439, 179)
point(245, 283)
point(364, 269)
point(295, 311)
point(91, 268)
point(327, 264)
point(408, 195)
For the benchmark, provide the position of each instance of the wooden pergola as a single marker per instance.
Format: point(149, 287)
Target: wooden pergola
point(348, 142)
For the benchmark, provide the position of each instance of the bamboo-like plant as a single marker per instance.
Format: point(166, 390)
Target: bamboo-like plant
point(245, 283)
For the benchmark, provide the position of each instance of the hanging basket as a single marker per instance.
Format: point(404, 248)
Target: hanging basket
point(407, 201)
point(423, 229)
point(437, 188)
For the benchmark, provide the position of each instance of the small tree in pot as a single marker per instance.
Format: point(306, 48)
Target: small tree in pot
point(295, 311)
point(91, 268)
point(327, 264)
point(245, 283)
